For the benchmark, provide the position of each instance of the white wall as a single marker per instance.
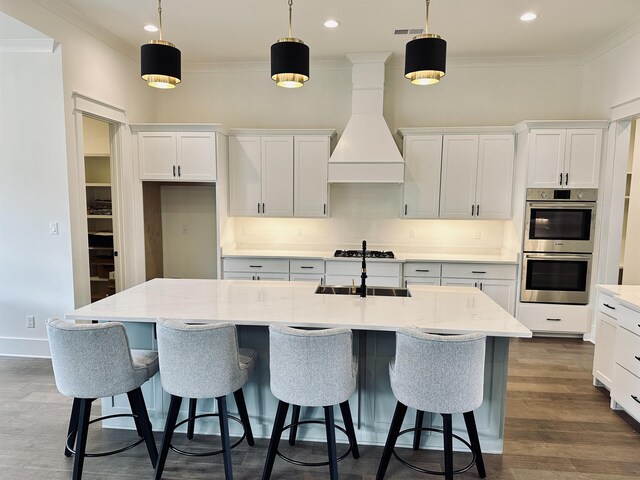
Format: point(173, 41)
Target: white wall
point(631, 272)
point(35, 267)
point(39, 160)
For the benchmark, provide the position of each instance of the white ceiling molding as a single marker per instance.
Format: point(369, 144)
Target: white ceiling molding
point(612, 41)
point(628, 109)
point(90, 105)
point(27, 45)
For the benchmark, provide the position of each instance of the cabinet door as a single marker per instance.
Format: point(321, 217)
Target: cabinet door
point(156, 155)
point(503, 292)
point(546, 158)
point(239, 276)
point(459, 170)
point(196, 156)
point(245, 177)
point(422, 157)
point(603, 354)
point(277, 176)
point(421, 281)
point(311, 155)
point(459, 282)
point(582, 158)
point(495, 176)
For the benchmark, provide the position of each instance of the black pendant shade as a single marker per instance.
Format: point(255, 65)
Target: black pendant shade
point(289, 62)
point(425, 59)
point(160, 64)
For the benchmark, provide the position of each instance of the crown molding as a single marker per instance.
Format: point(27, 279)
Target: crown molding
point(612, 41)
point(27, 45)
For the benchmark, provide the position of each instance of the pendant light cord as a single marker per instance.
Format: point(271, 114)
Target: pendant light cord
point(160, 17)
point(426, 22)
point(290, 10)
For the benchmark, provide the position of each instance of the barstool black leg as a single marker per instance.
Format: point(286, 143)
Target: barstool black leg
point(73, 426)
point(224, 434)
point(278, 423)
point(331, 442)
point(348, 425)
point(447, 431)
point(244, 416)
point(295, 418)
point(193, 403)
point(394, 429)
point(172, 416)
point(84, 413)
point(470, 422)
point(139, 409)
point(418, 429)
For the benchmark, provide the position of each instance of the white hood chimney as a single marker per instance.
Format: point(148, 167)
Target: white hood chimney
point(366, 151)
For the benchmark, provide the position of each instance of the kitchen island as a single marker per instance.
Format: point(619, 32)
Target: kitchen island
point(252, 306)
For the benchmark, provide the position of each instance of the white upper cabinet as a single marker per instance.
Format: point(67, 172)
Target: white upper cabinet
point(311, 154)
point(177, 156)
point(422, 156)
point(278, 175)
point(477, 176)
point(564, 158)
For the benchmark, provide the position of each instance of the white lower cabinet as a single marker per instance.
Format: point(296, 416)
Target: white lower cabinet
point(554, 318)
point(247, 268)
point(419, 273)
point(606, 324)
point(497, 281)
point(626, 374)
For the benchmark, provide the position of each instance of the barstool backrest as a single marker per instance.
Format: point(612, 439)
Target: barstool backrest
point(92, 360)
point(438, 373)
point(311, 367)
point(199, 360)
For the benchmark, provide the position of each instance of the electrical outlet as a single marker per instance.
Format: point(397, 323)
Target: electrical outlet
point(412, 233)
point(31, 321)
point(477, 234)
point(53, 228)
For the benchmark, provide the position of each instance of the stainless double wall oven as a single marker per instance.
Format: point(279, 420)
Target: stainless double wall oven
point(558, 245)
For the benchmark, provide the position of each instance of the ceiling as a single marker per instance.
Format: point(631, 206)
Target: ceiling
point(223, 31)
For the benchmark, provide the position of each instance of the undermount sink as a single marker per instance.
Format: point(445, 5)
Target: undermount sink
point(371, 291)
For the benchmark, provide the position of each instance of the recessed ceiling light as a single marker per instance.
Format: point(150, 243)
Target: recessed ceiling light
point(150, 28)
point(528, 17)
point(332, 23)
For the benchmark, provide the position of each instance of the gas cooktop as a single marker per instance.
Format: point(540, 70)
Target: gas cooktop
point(369, 254)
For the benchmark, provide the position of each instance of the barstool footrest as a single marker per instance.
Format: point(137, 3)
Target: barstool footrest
point(314, 464)
point(210, 453)
point(435, 472)
point(111, 452)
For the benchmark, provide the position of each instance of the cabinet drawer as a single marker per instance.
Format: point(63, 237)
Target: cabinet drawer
point(272, 265)
point(380, 269)
point(306, 266)
point(479, 270)
point(431, 270)
point(307, 277)
point(355, 280)
point(421, 281)
point(627, 350)
point(626, 391)
point(629, 319)
point(607, 304)
point(554, 318)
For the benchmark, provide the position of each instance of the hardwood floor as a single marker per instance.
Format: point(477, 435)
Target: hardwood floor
point(558, 426)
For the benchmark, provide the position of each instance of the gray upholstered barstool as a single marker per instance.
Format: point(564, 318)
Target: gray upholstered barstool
point(92, 361)
point(311, 368)
point(438, 374)
point(203, 361)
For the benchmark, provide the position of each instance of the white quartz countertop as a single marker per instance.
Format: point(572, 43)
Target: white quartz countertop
point(451, 310)
point(506, 258)
point(628, 295)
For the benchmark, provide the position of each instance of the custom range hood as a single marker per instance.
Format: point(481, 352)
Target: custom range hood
point(366, 151)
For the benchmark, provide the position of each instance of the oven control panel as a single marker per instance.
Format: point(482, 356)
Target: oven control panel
point(566, 195)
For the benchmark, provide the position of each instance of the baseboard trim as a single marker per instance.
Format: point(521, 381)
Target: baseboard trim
point(24, 347)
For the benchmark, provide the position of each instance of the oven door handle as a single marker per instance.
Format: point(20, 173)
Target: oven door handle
point(553, 256)
point(562, 205)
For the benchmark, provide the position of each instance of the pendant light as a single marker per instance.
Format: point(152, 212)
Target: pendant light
point(160, 60)
point(425, 57)
point(289, 60)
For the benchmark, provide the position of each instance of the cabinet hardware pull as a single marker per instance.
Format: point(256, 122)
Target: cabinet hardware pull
point(405, 208)
point(478, 210)
point(179, 174)
point(422, 270)
point(473, 209)
point(635, 397)
point(554, 319)
point(253, 277)
point(174, 170)
point(560, 179)
point(406, 283)
point(258, 207)
point(477, 271)
point(566, 179)
point(324, 209)
point(263, 211)
point(304, 266)
point(609, 306)
point(255, 266)
point(480, 285)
